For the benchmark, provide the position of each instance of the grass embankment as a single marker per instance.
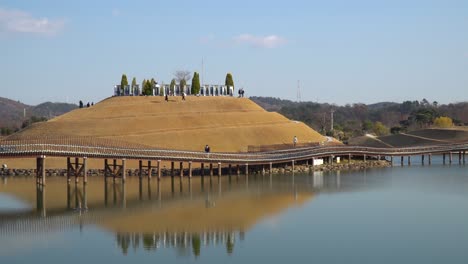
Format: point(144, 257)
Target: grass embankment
point(424, 137)
point(226, 124)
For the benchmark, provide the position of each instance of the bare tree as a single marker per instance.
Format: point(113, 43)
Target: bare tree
point(182, 75)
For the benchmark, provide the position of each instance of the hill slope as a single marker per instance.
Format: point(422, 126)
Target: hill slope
point(424, 137)
point(227, 124)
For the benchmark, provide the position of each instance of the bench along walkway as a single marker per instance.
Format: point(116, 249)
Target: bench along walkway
point(78, 150)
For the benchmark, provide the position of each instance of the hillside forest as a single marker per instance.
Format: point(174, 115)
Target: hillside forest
point(380, 119)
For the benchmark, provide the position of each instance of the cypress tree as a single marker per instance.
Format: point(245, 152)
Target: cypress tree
point(172, 86)
point(123, 82)
point(229, 81)
point(195, 83)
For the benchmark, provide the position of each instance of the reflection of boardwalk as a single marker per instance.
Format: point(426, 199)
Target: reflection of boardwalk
point(219, 205)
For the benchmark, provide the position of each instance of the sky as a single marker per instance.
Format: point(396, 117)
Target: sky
point(340, 52)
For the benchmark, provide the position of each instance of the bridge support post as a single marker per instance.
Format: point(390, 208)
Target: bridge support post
point(271, 168)
point(450, 158)
point(181, 170)
point(85, 170)
point(429, 158)
point(124, 170)
point(172, 169)
point(230, 169)
point(330, 159)
point(349, 158)
point(40, 170)
point(202, 169)
point(238, 170)
point(292, 165)
point(409, 160)
point(150, 170)
point(401, 162)
point(219, 169)
point(422, 159)
point(247, 169)
point(443, 158)
point(159, 170)
point(459, 157)
point(68, 170)
point(364, 158)
point(190, 169)
point(77, 164)
point(391, 160)
point(211, 170)
point(463, 157)
point(140, 169)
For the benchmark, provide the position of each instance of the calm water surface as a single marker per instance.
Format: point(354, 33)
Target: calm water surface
point(415, 214)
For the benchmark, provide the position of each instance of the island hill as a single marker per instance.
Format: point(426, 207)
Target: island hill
point(226, 124)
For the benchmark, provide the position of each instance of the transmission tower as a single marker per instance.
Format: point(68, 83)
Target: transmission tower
point(298, 91)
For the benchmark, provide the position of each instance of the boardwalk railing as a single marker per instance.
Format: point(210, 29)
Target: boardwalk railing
point(111, 150)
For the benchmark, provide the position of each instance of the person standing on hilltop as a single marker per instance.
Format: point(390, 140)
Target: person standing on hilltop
point(166, 98)
point(294, 141)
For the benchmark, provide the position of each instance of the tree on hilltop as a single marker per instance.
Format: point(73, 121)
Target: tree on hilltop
point(195, 89)
point(229, 81)
point(182, 85)
point(148, 87)
point(123, 82)
point(172, 86)
point(134, 82)
point(182, 75)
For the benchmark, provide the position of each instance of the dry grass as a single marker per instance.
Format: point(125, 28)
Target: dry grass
point(226, 124)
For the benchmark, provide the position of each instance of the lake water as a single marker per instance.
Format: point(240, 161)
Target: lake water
point(416, 214)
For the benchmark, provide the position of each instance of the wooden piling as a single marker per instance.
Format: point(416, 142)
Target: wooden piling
point(429, 158)
point(150, 170)
point(172, 169)
point(181, 170)
point(219, 169)
point(159, 170)
point(124, 170)
point(85, 170)
point(190, 169)
point(140, 169)
point(409, 160)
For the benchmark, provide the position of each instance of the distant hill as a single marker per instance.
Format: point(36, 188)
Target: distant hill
point(14, 113)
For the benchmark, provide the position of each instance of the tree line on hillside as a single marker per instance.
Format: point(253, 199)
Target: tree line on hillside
point(16, 115)
point(353, 120)
point(181, 77)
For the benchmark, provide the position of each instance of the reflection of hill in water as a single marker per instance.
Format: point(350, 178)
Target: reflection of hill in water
point(182, 215)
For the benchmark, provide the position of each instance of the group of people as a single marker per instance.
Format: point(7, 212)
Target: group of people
point(241, 92)
point(166, 97)
point(87, 105)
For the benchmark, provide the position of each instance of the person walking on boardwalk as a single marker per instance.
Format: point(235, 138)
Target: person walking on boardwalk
point(294, 141)
point(207, 148)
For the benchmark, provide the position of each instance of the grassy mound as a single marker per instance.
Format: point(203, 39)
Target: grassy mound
point(227, 124)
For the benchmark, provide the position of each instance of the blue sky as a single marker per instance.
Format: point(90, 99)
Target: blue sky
point(341, 51)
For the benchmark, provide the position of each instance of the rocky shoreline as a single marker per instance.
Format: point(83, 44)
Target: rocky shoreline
point(298, 168)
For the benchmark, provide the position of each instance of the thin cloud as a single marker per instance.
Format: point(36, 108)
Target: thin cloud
point(115, 12)
point(17, 21)
point(271, 41)
point(206, 39)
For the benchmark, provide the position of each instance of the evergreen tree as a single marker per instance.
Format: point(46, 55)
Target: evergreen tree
point(172, 86)
point(147, 88)
point(123, 82)
point(229, 81)
point(182, 85)
point(134, 82)
point(195, 83)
